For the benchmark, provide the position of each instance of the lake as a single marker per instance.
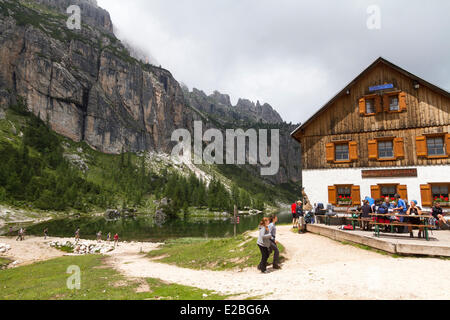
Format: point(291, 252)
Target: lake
point(143, 228)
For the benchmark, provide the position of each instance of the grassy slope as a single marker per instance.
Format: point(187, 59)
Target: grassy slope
point(47, 281)
point(218, 254)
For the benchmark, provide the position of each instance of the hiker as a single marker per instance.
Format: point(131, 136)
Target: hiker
point(413, 211)
point(264, 244)
point(301, 218)
point(400, 209)
point(116, 240)
point(45, 233)
point(77, 235)
point(99, 236)
point(294, 215)
point(20, 235)
point(274, 242)
point(366, 211)
point(108, 237)
point(438, 215)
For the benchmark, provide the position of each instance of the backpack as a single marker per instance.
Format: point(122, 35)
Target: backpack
point(382, 210)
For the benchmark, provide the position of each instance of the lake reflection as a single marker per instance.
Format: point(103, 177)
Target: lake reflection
point(144, 228)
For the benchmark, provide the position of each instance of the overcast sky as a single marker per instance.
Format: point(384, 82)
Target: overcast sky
point(294, 55)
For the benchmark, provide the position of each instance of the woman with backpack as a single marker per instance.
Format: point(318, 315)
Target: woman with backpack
point(264, 244)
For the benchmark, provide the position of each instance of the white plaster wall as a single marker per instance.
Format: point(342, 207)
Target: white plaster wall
point(316, 182)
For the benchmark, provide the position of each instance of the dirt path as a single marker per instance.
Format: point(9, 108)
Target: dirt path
point(317, 268)
point(35, 249)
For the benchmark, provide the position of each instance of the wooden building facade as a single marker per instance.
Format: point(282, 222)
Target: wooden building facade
point(387, 132)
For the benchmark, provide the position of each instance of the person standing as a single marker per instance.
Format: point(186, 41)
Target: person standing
point(438, 214)
point(77, 235)
point(274, 242)
point(294, 215)
point(400, 209)
point(366, 212)
point(116, 240)
point(20, 235)
point(300, 217)
point(45, 233)
point(264, 244)
point(108, 237)
point(99, 236)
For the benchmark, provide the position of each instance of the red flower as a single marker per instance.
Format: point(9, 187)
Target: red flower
point(442, 197)
point(446, 199)
point(340, 197)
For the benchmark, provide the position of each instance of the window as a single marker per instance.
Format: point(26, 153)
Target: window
point(385, 149)
point(344, 195)
point(388, 191)
point(394, 103)
point(370, 106)
point(342, 152)
point(440, 193)
point(435, 146)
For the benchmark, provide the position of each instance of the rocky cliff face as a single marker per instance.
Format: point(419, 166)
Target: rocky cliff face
point(220, 105)
point(85, 82)
point(247, 114)
point(89, 87)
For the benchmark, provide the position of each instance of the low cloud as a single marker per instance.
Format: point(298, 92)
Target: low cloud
point(294, 55)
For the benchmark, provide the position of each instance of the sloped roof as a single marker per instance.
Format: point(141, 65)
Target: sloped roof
point(348, 87)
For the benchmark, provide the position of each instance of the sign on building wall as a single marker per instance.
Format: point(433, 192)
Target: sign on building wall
point(381, 87)
point(386, 173)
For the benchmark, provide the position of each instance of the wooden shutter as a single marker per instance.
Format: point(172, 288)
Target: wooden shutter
point(353, 150)
point(356, 195)
point(378, 104)
point(332, 195)
point(330, 152)
point(386, 103)
point(425, 192)
point(402, 101)
point(447, 142)
point(399, 148)
point(373, 149)
point(375, 192)
point(421, 146)
point(362, 106)
point(402, 190)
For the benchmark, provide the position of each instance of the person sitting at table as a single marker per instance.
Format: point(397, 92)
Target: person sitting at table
point(438, 215)
point(414, 211)
point(387, 205)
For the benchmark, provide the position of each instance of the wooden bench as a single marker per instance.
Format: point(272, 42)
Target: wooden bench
point(377, 225)
point(358, 221)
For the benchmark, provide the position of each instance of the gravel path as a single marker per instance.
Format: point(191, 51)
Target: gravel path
point(317, 268)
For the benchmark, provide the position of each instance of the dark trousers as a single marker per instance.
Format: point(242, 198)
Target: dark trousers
point(264, 257)
point(276, 253)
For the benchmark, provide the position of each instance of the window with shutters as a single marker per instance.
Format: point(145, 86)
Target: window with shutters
point(436, 146)
point(433, 146)
point(344, 195)
point(386, 149)
point(342, 152)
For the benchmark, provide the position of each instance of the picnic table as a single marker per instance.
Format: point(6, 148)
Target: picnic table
point(423, 219)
